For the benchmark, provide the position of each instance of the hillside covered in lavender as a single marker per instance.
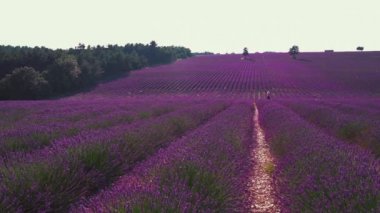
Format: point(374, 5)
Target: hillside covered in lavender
point(210, 133)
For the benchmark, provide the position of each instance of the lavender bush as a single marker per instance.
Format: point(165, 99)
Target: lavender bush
point(317, 172)
point(352, 124)
point(57, 176)
point(205, 171)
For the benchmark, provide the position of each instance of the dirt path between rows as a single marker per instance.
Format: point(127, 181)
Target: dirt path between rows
point(262, 194)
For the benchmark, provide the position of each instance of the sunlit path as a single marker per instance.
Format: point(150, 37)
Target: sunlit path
point(261, 183)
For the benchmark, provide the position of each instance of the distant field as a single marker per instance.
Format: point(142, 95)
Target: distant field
point(311, 75)
point(184, 138)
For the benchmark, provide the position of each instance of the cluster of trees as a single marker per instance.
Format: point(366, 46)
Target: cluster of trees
point(293, 51)
point(35, 73)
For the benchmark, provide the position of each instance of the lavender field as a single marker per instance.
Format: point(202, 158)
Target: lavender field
point(200, 135)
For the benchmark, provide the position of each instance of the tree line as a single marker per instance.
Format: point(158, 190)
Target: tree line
point(39, 72)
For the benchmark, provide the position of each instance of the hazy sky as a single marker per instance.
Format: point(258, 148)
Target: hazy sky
point(214, 25)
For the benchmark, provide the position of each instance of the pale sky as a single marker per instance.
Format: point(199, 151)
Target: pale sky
point(213, 25)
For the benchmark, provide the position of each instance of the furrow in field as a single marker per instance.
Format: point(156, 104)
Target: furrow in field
point(261, 186)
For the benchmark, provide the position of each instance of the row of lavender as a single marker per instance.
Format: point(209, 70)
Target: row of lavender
point(94, 135)
point(41, 128)
point(317, 172)
point(52, 178)
point(206, 171)
point(350, 120)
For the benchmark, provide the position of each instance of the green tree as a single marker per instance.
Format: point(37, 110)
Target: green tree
point(294, 51)
point(153, 44)
point(23, 83)
point(64, 74)
point(245, 52)
point(91, 71)
point(360, 48)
